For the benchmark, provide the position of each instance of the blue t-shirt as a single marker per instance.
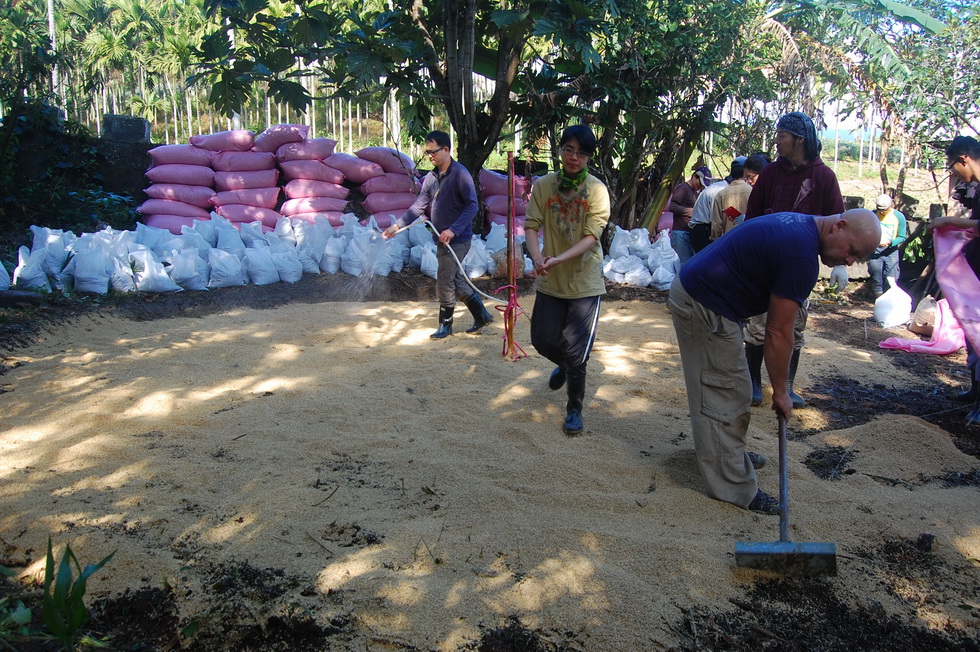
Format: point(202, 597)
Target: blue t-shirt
point(776, 254)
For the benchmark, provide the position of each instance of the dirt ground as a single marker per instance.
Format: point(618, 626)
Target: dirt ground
point(399, 494)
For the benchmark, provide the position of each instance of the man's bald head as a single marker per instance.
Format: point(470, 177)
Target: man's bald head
point(848, 237)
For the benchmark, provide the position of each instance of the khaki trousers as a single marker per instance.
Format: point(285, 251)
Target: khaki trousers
point(719, 393)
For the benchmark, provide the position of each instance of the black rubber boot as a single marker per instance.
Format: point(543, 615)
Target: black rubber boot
point(575, 381)
point(480, 314)
point(445, 322)
point(794, 364)
point(754, 356)
point(971, 395)
point(973, 418)
point(557, 378)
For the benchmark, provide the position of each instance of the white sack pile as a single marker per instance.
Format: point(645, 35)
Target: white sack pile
point(214, 253)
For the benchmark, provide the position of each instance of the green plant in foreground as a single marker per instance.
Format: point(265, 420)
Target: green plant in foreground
point(63, 610)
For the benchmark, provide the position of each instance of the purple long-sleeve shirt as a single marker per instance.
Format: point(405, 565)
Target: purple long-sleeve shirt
point(450, 201)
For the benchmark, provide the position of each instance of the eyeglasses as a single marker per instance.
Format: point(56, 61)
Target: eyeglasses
point(750, 177)
point(951, 164)
point(568, 151)
point(432, 152)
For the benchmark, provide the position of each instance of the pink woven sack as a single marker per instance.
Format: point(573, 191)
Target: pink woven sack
point(389, 201)
point(354, 168)
point(392, 182)
point(390, 159)
point(298, 188)
point(246, 179)
point(242, 161)
point(243, 213)
point(190, 175)
point(306, 150)
point(276, 136)
point(180, 154)
point(312, 205)
point(196, 195)
point(314, 170)
point(236, 140)
point(263, 197)
point(171, 207)
point(171, 223)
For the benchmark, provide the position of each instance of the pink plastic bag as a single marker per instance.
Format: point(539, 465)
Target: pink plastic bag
point(180, 154)
point(190, 175)
point(957, 280)
point(314, 170)
point(196, 195)
point(311, 149)
point(354, 168)
point(312, 205)
point(236, 140)
point(263, 197)
point(171, 223)
point(243, 213)
point(171, 207)
point(390, 159)
point(242, 161)
point(311, 188)
point(389, 201)
point(947, 335)
point(392, 182)
point(276, 136)
point(246, 179)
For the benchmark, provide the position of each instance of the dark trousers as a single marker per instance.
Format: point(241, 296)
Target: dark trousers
point(563, 330)
point(700, 236)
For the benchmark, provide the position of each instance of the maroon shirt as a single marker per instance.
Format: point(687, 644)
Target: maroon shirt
point(811, 189)
point(682, 204)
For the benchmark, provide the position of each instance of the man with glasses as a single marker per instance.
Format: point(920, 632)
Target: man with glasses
point(448, 195)
point(766, 265)
point(571, 208)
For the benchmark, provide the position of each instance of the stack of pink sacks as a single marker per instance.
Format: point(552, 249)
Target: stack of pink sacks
point(388, 195)
point(313, 188)
point(495, 196)
point(180, 191)
point(245, 174)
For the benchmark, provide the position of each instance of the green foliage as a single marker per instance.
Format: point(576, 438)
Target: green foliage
point(64, 609)
point(48, 177)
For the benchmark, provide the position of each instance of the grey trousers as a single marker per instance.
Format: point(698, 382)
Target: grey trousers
point(719, 392)
point(450, 282)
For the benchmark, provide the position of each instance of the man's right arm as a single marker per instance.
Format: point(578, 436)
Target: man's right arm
point(416, 210)
point(779, 349)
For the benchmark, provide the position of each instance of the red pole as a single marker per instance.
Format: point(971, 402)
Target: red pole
point(513, 309)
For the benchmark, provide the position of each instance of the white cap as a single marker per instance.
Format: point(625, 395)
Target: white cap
point(883, 202)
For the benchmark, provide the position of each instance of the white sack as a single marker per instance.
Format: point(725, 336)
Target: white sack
point(894, 307)
point(259, 266)
point(29, 273)
point(226, 269)
point(288, 265)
